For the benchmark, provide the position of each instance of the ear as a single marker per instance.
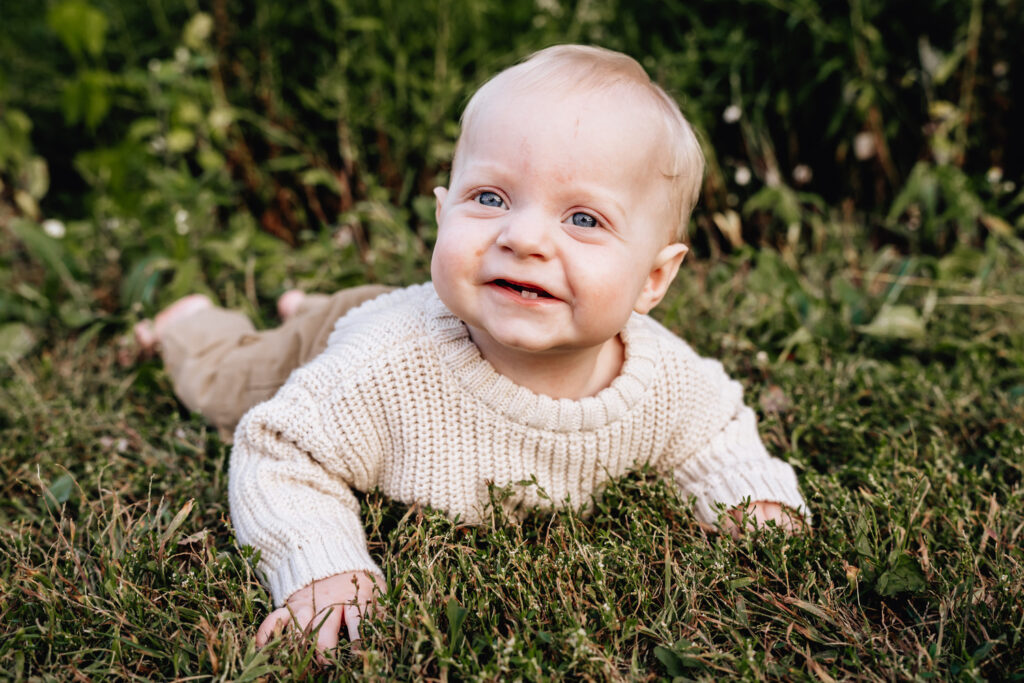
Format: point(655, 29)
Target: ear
point(440, 193)
point(666, 265)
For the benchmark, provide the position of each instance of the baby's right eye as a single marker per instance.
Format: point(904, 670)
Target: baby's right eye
point(490, 199)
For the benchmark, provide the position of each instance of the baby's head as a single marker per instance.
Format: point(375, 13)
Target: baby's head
point(572, 183)
point(564, 70)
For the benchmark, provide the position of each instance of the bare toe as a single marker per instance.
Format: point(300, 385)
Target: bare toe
point(182, 308)
point(145, 337)
point(289, 302)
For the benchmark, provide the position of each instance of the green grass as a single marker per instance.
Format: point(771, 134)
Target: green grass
point(117, 557)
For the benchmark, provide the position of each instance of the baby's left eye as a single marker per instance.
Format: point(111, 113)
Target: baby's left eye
point(583, 220)
point(490, 199)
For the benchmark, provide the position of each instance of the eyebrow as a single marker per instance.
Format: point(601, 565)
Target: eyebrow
point(483, 167)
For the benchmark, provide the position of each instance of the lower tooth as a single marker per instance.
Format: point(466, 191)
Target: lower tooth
point(528, 295)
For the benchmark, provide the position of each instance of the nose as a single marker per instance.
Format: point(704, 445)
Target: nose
point(526, 234)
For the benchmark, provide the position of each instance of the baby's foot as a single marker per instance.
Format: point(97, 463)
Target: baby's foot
point(288, 303)
point(148, 332)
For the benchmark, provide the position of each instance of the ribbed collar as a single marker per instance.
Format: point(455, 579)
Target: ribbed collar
point(522, 406)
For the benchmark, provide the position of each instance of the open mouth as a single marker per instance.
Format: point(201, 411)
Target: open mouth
point(525, 291)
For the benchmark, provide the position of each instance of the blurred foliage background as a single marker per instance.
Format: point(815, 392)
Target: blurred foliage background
point(150, 149)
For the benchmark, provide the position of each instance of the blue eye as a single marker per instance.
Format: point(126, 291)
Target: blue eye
point(584, 220)
point(490, 199)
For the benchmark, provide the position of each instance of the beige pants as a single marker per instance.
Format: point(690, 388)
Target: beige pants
point(221, 366)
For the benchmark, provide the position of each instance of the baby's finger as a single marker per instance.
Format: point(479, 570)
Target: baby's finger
point(302, 618)
point(275, 622)
point(329, 623)
point(352, 619)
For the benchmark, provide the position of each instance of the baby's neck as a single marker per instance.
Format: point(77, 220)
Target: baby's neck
point(572, 374)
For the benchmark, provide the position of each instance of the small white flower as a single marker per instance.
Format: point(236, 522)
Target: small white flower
point(54, 228)
point(220, 118)
point(742, 176)
point(802, 174)
point(994, 175)
point(181, 54)
point(1009, 186)
point(343, 237)
point(1000, 68)
point(181, 221)
point(864, 146)
point(732, 113)
point(771, 178)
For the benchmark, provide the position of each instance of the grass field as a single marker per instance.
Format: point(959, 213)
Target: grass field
point(895, 386)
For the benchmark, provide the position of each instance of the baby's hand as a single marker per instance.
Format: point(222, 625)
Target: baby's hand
point(760, 512)
point(342, 598)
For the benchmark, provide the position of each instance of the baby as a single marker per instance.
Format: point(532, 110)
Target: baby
point(528, 356)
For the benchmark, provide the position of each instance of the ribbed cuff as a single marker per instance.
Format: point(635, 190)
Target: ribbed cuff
point(317, 559)
point(760, 480)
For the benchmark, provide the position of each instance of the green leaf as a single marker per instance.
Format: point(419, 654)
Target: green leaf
point(50, 253)
point(456, 617)
point(58, 493)
point(16, 340)
point(140, 284)
point(180, 140)
point(904, 576)
point(742, 582)
point(670, 660)
point(74, 314)
point(86, 98)
point(679, 658)
point(178, 520)
point(197, 30)
point(323, 177)
point(36, 177)
point(860, 538)
point(895, 322)
point(81, 27)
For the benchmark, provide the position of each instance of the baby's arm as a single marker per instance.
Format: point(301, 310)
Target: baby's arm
point(732, 467)
point(294, 465)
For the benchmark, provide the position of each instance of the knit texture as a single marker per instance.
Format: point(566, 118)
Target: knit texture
point(402, 401)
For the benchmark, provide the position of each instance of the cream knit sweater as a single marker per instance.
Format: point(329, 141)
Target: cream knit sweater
point(402, 401)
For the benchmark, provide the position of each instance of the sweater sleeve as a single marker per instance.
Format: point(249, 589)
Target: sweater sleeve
point(729, 464)
point(295, 462)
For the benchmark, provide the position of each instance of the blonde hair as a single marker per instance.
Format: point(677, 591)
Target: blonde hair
point(581, 67)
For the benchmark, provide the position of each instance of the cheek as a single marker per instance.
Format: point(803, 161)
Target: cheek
point(452, 259)
point(606, 294)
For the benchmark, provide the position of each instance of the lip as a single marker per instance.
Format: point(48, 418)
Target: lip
point(512, 290)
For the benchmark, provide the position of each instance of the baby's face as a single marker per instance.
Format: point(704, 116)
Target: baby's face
point(555, 217)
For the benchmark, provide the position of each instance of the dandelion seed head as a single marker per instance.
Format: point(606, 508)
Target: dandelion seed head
point(742, 176)
point(864, 146)
point(54, 228)
point(802, 174)
point(732, 113)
